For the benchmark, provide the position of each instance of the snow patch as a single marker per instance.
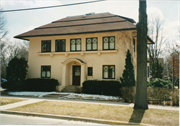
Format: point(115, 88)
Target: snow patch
point(69, 95)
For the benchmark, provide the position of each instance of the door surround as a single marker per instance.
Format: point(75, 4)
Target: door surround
point(66, 73)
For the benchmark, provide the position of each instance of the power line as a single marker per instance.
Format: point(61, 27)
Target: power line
point(53, 6)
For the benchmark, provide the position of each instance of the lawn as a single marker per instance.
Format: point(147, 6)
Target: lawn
point(109, 112)
point(5, 101)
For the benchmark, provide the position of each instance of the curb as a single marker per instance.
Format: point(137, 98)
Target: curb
point(101, 121)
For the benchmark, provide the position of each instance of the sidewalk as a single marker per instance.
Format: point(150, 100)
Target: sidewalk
point(33, 100)
point(4, 109)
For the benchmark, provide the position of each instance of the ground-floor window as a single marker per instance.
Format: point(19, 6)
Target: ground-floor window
point(90, 71)
point(45, 71)
point(108, 71)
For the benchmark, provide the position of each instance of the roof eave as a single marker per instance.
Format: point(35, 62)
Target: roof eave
point(152, 42)
point(23, 37)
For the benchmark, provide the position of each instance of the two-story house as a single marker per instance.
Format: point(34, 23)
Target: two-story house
point(79, 48)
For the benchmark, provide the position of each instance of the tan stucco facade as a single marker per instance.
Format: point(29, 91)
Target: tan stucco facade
point(61, 62)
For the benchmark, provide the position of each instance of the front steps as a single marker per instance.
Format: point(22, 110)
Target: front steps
point(72, 88)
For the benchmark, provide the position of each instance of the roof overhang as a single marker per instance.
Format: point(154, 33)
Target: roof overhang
point(25, 37)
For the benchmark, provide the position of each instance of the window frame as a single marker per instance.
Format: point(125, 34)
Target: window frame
point(60, 45)
point(46, 47)
point(134, 43)
point(88, 71)
point(109, 42)
point(75, 45)
point(46, 71)
point(108, 71)
point(92, 44)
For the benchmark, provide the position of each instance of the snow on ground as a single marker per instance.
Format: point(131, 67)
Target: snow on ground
point(90, 97)
point(68, 96)
point(28, 93)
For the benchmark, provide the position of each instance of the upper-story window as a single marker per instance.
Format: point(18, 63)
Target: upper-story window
point(75, 44)
point(46, 46)
point(91, 44)
point(60, 45)
point(109, 43)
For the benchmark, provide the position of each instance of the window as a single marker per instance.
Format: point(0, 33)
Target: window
point(91, 44)
point(75, 44)
point(109, 43)
point(108, 71)
point(134, 44)
point(45, 71)
point(46, 46)
point(90, 71)
point(60, 45)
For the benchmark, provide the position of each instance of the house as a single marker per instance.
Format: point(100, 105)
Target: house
point(79, 48)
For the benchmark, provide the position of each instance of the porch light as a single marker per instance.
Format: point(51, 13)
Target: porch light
point(74, 63)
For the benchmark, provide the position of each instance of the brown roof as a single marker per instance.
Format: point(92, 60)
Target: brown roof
point(82, 24)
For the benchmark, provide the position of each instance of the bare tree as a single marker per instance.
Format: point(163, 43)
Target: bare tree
point(141, 85)
point(156, 33)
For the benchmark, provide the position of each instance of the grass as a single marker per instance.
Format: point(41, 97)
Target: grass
point(5, 101)
point(109, 112)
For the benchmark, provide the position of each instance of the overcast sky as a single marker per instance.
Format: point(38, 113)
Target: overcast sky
point(20, 22)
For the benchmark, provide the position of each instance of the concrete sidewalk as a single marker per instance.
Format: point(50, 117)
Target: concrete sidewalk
point(18, 104)
point(34, 100)
point(4, 109)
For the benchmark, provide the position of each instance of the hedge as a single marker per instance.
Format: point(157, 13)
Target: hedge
point(35, 84)
point(102, 87)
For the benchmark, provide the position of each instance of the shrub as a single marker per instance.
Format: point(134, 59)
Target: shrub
point(157, 82)
point(158, 94)
point(127, 78)
point(101, 87)
point(16, 69)
point(175, 97)
point(36, 84)
point(128, 93)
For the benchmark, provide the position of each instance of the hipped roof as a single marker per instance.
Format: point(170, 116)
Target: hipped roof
point(89, 23)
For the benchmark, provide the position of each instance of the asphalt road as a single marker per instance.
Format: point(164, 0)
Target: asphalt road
point(6, 119)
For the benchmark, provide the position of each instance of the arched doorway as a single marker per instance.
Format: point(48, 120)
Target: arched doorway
point(73, 72)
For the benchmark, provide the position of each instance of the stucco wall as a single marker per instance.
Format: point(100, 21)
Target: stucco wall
point(95, 59)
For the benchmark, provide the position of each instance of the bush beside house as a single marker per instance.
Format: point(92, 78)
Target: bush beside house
point(35, 84)
point(16, 74)
point(128, 80)
point(101, 87)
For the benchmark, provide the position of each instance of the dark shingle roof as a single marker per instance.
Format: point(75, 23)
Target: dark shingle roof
point(82, 24)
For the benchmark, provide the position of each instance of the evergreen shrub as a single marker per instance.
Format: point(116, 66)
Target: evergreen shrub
point(157, 82)
point(128, 79)
point(101, 87)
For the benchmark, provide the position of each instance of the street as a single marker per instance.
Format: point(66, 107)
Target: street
point(6, 119)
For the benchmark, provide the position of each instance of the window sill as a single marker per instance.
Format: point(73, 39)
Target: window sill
point(78, 52)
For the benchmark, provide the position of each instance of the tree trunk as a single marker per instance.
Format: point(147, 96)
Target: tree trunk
point(141, 85)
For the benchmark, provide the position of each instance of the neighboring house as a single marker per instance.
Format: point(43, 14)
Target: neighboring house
point(79, 48)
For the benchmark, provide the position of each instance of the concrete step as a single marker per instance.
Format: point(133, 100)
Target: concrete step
point(70, 88)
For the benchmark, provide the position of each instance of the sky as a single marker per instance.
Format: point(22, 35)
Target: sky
point(20, 22)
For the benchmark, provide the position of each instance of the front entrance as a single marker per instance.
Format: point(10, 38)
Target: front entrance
point(76, 76)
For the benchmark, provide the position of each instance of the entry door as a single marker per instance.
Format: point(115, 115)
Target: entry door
point(76, 75)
